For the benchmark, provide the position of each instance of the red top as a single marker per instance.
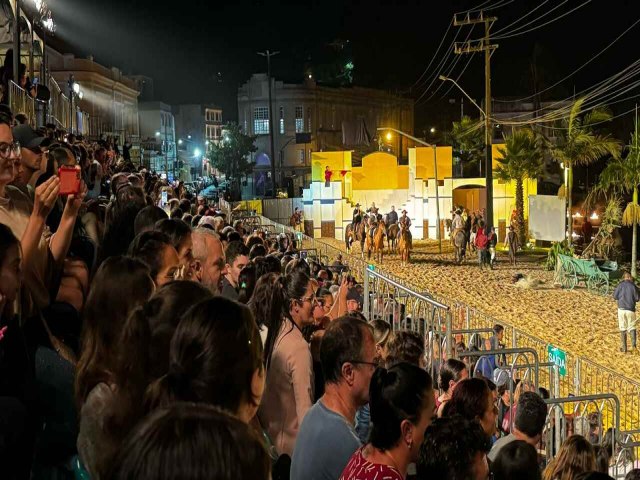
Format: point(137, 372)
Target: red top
point(481, 239)
point(359, 468)
point(327, 175)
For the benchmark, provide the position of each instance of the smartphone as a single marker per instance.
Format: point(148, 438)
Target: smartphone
point(163, 198)
point(69, 180)
point(303, 255)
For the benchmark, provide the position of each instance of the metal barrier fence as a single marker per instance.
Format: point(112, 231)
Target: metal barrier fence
point(583, 376)
point(21, 102)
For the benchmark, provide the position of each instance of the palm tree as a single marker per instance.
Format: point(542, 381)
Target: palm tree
point(522, 158)
point(623, 176)
point(467, 140)
point(579, 144)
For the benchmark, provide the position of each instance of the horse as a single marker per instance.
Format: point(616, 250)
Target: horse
point(459, 241)
point(393, 232)
point(351, 234)
point(404, 244)
point(376, 243)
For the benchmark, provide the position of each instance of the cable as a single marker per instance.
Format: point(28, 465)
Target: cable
point(521, 18)
point(544, 24)
point(579, 68)
point(474, 9)
point(435, 54)
point(493, 7)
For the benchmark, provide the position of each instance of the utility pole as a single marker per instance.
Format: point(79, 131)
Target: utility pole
point(482, 45)
point(270, 54)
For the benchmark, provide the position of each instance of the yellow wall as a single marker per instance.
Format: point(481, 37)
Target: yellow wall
point(380, 171)
point(424, 162)
point(336, 161)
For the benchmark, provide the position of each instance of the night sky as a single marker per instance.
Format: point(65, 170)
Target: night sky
point(183, 45)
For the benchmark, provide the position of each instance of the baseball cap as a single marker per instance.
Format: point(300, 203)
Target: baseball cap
point(27, 137)
point(500, 377)
point(352, 294)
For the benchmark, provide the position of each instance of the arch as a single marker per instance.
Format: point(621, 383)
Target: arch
point(262, 160)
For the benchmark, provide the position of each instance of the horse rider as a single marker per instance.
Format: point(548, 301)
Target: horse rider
point(405, 223)
point(373, 210)
point(357, 216)
point(458, 224)
point(392, 216)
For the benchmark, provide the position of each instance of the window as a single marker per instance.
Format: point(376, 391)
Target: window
point(301, 156)
point(281, 120)
point(309, 115)
point(261, 121)
point(219, 116)
point(299, 119)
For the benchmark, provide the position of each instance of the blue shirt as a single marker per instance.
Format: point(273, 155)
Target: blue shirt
point(626, 293)
point(325, 443)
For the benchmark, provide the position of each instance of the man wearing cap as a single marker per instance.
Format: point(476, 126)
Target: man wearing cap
point(354, 300)
point(32, 159)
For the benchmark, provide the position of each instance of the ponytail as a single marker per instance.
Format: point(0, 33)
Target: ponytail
point(278, 308)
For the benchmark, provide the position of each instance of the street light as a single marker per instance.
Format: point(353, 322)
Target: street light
point(433, 130)
point(76, 87)
point(435, 172)
point(180, 142)
point(389, 136)
point(157, 134)
point(197, 152)
point(80, 95)
point(488, 174)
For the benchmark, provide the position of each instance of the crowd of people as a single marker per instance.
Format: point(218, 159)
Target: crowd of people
point(144, 335)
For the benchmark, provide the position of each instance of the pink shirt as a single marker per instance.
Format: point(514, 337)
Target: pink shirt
point(289, 388)
point(359, 468)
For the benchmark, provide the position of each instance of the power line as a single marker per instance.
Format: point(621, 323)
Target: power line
point(498, 32)
point(577, 69)
point(435, 54)
point(544, 24)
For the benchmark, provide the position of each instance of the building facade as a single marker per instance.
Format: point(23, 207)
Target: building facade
point(308, 118)
point(158, 137)
point(109, 97)
point(197, 127)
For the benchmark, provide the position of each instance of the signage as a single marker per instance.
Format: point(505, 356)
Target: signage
point(559, 358)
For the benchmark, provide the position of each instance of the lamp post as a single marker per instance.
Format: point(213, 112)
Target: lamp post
point(488, 168)
point(435, 172)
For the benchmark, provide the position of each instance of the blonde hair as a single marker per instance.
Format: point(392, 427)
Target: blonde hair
point(381, 332)
point(575, 456)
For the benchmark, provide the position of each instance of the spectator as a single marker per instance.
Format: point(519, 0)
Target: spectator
point(621, 459)
point(265, 304)
point(180, 235)
point(473, 400)
point(246, 283)
point(382, 334)
point(147, 218)
point(451, 373)
point(602, 459)
point(289, 391)
point(154, 249)
point(516, 460)
point(209, 265)
point(454, 448)
point(512, 412)
point(528, 425)
point(212, 336)
point(120, 285)
point(327, 438)
point(32, 158)
point(627, 295)
point(354, 300)
point(237, 257)
point(402, 403)
point(405, 346)
point(211, 445)
point(633, 474)
point(575, 456)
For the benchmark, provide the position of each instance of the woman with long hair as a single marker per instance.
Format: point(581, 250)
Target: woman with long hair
point(451, 373)
point(215, 357)
point(402, 403)
point(142, 356)
point(180, 235)
point(212, 445)
point(576, 456)
point(246, 283)
point(266, 304)
point(121, 284)
point(473, 400)
point(289, 391)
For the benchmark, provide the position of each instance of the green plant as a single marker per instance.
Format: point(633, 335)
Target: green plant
point(558, 248)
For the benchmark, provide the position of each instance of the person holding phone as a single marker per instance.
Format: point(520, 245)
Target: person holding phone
point(32, 159)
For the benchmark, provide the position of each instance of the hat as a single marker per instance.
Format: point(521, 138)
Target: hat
point(404, 211)
point(500, 377)
point(357, 204)
point(207, 220)
point(27, 137)
point(352, 294)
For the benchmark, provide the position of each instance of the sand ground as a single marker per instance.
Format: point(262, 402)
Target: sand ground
point(578, 321)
